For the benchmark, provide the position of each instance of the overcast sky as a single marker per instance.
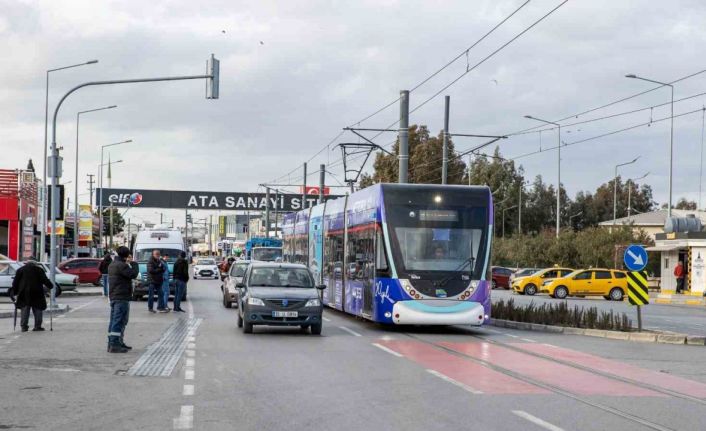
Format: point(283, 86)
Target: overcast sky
point(293, 73)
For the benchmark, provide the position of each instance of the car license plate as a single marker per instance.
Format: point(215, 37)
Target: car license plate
point(285, 314)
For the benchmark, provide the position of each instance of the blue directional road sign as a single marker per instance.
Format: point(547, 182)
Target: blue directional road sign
point(635, 257)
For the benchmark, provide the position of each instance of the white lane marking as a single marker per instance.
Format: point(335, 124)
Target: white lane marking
point(190, 362)
point(453, 382)
point(190, 353)
point(189, 374)
point(82, 306)
point(528, 340)
point(387, 337)
point(549, 345)
point(190, 309)
point(350, 331)
point(326, 319)
point(192, 339)
point(185, 419)
point(537, 421)
point(61, 370)
point(188, 390)
point(388, 350)
point(191, 346)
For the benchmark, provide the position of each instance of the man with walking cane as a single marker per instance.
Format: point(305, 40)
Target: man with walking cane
point(29, 294)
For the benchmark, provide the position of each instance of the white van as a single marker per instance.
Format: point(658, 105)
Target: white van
point(168, 241)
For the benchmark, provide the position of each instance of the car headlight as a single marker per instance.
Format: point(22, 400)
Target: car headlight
point(255, 301)
point(313, 303)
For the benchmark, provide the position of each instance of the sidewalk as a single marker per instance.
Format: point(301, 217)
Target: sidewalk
point(7, 310)
point(667, 297)
point(84, 290)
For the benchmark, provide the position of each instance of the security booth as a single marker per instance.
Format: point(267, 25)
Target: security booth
point(683, 240)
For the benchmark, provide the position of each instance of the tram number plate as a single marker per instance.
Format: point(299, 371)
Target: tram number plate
point(285, 314)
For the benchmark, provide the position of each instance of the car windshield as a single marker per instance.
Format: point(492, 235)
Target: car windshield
point(144, 254)
point(266, 254)
point(431, 249)
point(281, 277)
point(205, 262)
point(240, 269)
point(525, 272)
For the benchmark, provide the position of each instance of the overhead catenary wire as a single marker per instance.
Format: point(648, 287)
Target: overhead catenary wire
point(424, 81)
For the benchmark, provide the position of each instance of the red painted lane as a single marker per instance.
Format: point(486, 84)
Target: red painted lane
point(462, 370)
point(654, 378)
point(561, 376)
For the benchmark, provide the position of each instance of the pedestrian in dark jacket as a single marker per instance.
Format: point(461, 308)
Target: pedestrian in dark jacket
point(155, 277)
point(121, 273)
point(181, 277)
point(103, 267)
point(28, 288)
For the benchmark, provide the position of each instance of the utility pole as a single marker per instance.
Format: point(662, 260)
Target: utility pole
point(210, 235)
point(304, 188)
point(110, 186)
point(403, 136)
point(322, 181)
point(267, 212)
point(275, 208)
point(469, 169)
point(186, 230)
point(445, 147)
point(519, 209)
point(129, 234)
point(90, 201)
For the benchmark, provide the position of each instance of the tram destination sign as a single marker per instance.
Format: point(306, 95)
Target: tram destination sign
point(181, 199)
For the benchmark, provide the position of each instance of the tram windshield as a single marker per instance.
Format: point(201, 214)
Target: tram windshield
point(437, 230)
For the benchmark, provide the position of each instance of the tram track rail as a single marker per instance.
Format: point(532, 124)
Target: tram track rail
point(555, 389)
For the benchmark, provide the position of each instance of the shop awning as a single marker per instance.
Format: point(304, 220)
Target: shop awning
point(664, 247)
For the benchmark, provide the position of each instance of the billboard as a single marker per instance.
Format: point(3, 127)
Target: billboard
point(85, 223)
point(180, 199)
point(60, 227)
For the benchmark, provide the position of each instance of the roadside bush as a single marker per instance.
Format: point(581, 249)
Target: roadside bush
point(560, 314)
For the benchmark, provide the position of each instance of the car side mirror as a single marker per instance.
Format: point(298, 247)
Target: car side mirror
point(321, 286)
point(240, 285)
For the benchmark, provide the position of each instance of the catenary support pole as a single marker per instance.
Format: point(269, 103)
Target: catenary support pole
point(303, 206)
point(445, 148)
point(267, 212)
point(322, 182)
point(403, 137)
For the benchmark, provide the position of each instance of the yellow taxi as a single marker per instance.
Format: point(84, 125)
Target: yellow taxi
point(530, 285)
point(609, 283)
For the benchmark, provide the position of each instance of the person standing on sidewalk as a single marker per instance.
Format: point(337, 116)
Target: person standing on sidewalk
point(28, 288)
point(679, 274)
point(181, 277)
point(103, 267)
point(155, 276)
point(164, 294)
point(121, 273)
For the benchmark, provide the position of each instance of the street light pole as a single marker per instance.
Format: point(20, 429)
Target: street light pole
point(671, 136)
point(100, 194)
point(615, 187)
point(630, 182)
point(505, 209)
point(212, 90)
point(558, 170)
point(78, 116)
point(43, 219)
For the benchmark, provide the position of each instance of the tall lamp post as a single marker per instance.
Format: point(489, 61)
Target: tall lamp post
point(615, 187)
point(45, 188)
point(558, 170)
point(671, 135)
point(78, 116)
point(632, 180)
point(212, 76)
point(100, 194)
point(505, 209)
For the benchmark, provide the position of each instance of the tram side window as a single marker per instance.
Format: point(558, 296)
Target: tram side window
point(301, 249)
point(381, 257)
point(361, 253)
point(334, 254)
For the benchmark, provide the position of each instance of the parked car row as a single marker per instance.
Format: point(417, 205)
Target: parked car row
point(560, 282)
point(8, 268)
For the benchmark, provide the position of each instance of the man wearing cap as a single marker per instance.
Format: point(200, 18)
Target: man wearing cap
point(121, 272)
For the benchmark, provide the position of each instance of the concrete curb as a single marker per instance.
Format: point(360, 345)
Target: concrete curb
point(642, 337)
point(72, 293)
point(62, 308)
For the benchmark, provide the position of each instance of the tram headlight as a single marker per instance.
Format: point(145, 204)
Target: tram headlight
point(474, 285)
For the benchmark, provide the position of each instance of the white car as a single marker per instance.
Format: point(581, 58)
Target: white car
point(7, 274)
point(66, 281)
point(206, 268)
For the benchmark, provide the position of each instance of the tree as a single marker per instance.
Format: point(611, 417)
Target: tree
point(684, 204)
point(118, 221)
point(425, 160)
